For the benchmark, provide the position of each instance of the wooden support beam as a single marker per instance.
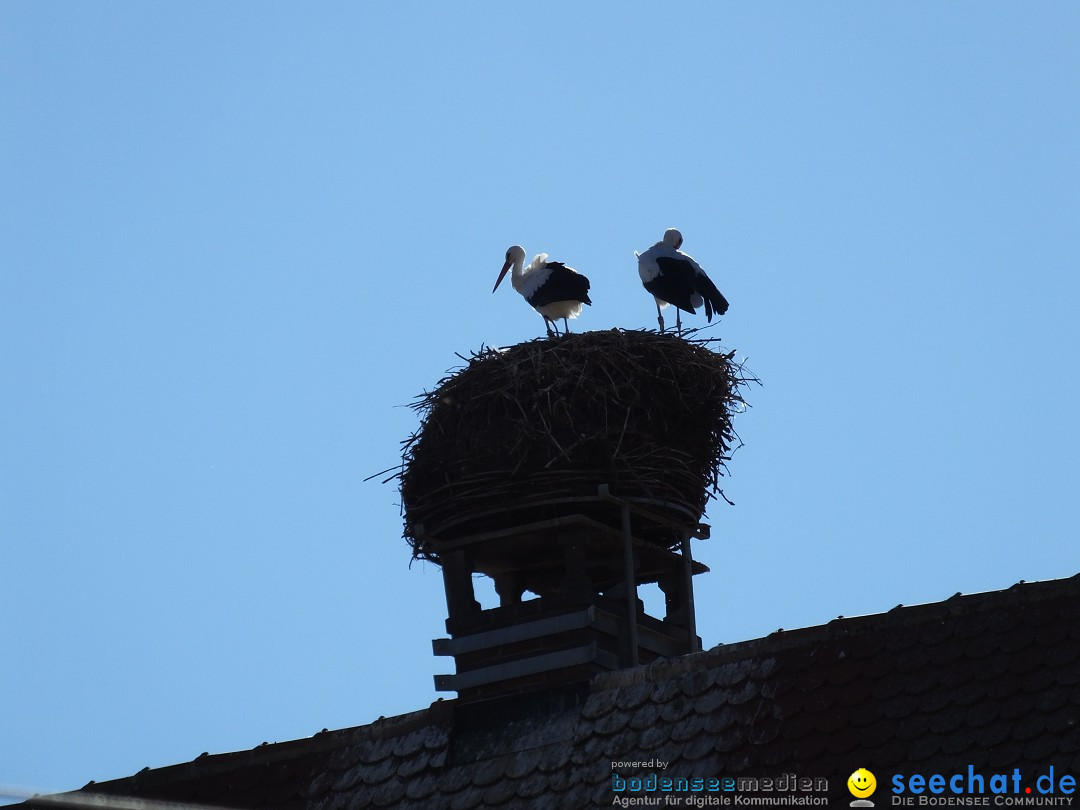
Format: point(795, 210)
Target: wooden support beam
point(563, 659)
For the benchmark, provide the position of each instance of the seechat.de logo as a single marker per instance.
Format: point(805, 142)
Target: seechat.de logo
point(862, 785)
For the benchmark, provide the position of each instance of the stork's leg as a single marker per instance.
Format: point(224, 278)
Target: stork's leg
point(566, 327)
point(678, 321)
point(552, 329)
point(660, 317)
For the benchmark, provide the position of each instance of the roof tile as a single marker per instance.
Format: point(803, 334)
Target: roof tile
point(466, 799)
point(688, 728)
point(696, 682)
point(982, 713)
point(534, 786)
point(719, 721)
point(500, 792)
point(600, 703)
point(652, 738)
point(422, 786)
point(413, 765)
point(747, 691)
point(676, 710)
point(389, 793)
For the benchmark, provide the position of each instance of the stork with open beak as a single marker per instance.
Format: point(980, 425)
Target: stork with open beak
point(675, 278)
point(551, 288)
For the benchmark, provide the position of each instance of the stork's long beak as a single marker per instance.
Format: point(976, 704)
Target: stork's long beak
point(502, 274)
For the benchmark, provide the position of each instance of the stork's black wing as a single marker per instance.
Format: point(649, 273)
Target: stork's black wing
point(563, 284)
point(674, 283)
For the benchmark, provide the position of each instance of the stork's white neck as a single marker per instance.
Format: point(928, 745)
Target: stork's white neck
point(517, 272)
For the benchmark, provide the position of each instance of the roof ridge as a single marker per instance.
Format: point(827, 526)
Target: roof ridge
point(268, 753)
point(840, 627)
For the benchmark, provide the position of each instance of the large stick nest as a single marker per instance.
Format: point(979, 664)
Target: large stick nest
point(517, 428)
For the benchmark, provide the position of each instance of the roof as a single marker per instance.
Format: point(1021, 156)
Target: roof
point(989, 680)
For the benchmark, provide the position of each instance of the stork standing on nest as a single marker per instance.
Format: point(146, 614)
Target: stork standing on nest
point(551, 288)
point(675, 278)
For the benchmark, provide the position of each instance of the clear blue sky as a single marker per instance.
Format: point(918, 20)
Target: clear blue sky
point(236, 238)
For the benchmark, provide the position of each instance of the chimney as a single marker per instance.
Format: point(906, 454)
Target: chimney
point(570, 471)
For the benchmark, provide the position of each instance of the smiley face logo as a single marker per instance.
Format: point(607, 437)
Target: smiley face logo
point(861, 783)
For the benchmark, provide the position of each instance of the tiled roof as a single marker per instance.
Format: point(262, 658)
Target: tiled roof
point(989, 680)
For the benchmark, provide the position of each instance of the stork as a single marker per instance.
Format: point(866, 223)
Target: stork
point(675, 278)
point(551, 288)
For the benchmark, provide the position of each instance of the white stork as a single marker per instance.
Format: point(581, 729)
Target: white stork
point(675, 278)
point(551, 288)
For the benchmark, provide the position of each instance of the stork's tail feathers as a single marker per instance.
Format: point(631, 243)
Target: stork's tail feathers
point(714, 299)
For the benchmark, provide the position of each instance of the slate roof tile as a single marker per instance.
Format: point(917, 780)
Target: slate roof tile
point(719, 721)
point(665, 690)
point(697, 682)
point(1005, 754)
point(1061, 655)
point(1029, 727)
point(1054, 634)
point(555, 757)
point(746, 692)
point(1064, 723)
point(598, 748)
point(375, 750)
point(379, 772)
point(710, 701)
point(613, 723)
point(955, 743)
point(534, 786)
point(676, 710)
point(562, 780)
point(411, 766)
point(913, 726)
point(810, 748)
point(733, 674)
point(697, 747)
point(900, 707)
point(410, 743)
point(1017, 706)
point(601, 703)
point(921, 681)
point(969, 694)
point(991, 736)
point(422, 786)
point(687, 729)
point(320, 785)
point(653, 737)
point(349, 778)
point(864, 713)
point(764, 732)
point(465, 799)
point(729, 739)
point(889, 687)
point(935, 701)
point(1068, 676)
point(924, 747)
point(981, 713)
point(877, 734)
point(453, 780)
point(635, 695)
point(500, 792)
point(843, 742)
point(389, 793)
